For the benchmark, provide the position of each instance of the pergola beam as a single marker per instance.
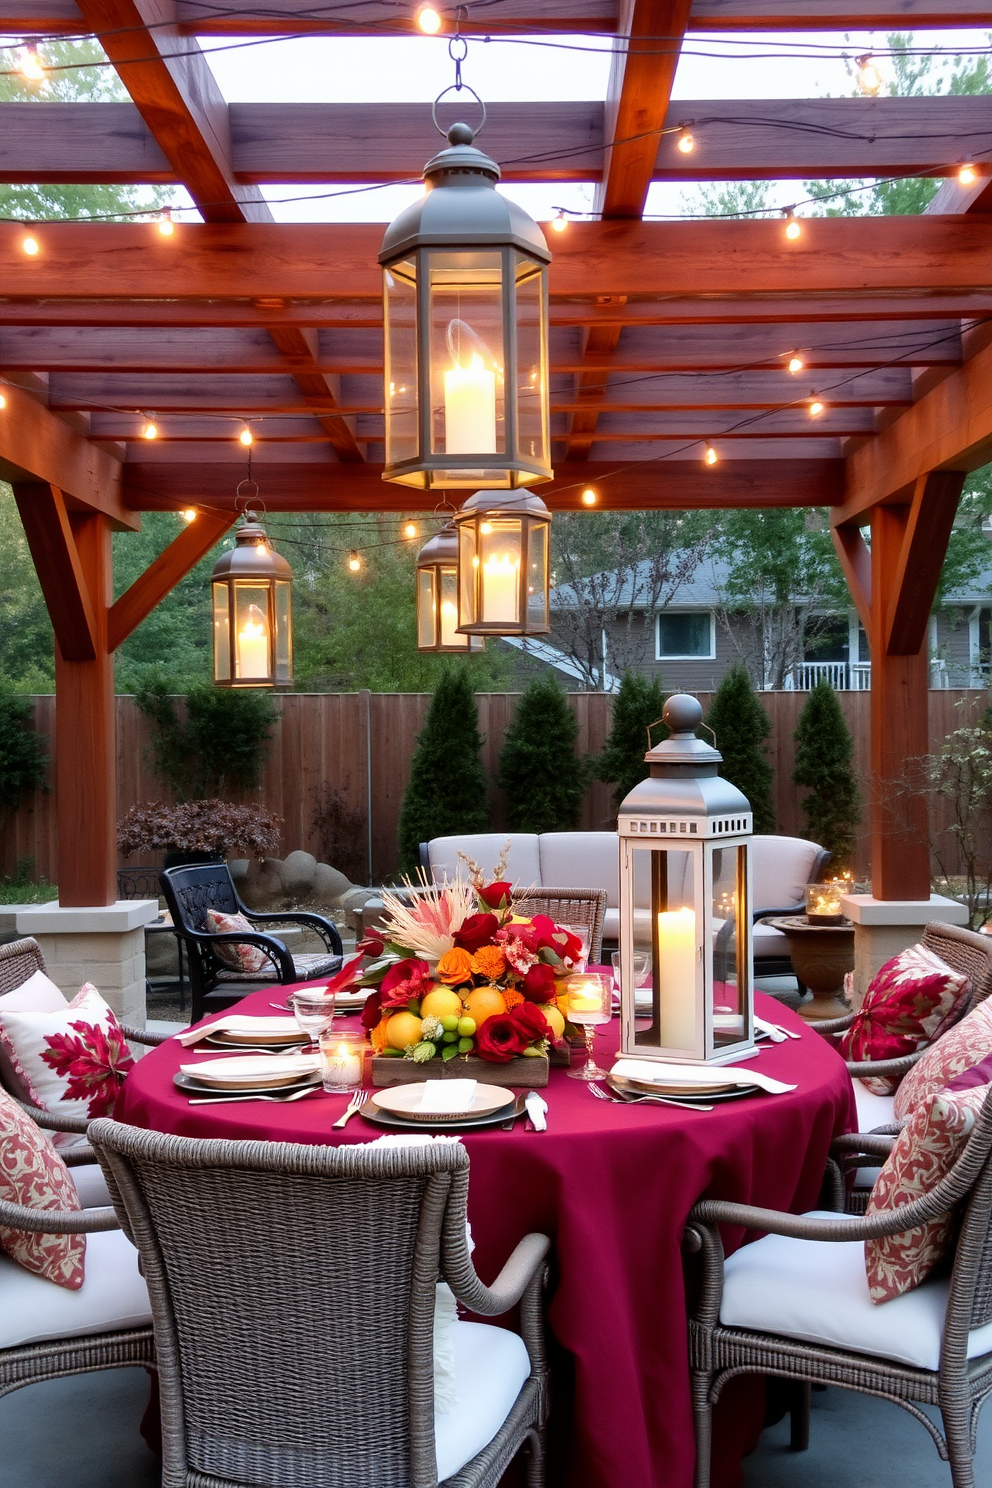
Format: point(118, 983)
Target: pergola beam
point(162, 576)
point(71, 607)
point(36, 445)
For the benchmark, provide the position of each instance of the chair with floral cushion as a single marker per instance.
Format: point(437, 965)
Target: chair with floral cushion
point(309, 1344)
point(878, 1316)
point(226, 964)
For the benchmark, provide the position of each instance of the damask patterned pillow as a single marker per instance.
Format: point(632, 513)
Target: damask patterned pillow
point(979, 1074)
point(73, 1058)
point(957, 1050)
point(33, 1174)
point(924, 1152)
point(910, 1002)
point(240, 957)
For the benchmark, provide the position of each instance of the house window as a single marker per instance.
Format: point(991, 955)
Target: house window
point(829, 639)
point(685, 635)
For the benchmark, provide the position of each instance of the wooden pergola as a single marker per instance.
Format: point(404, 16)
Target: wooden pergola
point(665, 337)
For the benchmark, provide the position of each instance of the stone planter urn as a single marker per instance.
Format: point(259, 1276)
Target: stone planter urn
point(822, 955)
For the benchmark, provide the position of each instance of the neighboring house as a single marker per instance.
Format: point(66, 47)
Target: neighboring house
point(691, 643)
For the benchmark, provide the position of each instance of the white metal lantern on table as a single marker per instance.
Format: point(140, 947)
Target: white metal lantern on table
point(252, 612)
point(437, 597)
point(685, 903)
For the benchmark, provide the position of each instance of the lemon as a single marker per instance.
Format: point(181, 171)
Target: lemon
point(555, 1020)
point(441, 1003)
point(403, 1029)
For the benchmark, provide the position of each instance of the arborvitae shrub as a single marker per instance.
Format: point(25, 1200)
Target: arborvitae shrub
point(218, 748)
point(741, 726)
point(23, 759)
point(823, 765)
point(539, 772)
point(448, 791)
point(638, 703)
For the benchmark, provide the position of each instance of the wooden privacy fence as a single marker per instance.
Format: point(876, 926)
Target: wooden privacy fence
point(360, 744)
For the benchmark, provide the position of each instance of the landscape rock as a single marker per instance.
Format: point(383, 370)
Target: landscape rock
point(297, 871)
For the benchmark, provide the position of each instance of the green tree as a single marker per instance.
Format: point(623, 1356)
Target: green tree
point(23, 759)
point(823, 766)
point(741, 726)
point(638, 703)
point(219, 746)
point(27, 653)
point(448, 792)
point(542, 776)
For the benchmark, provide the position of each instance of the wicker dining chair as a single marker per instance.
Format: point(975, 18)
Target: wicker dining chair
point(797, 1304)
point(299, 1348)
point(586, 907)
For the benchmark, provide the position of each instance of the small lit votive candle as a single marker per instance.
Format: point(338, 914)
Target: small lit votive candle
point(823, 905)
point(342, 1057)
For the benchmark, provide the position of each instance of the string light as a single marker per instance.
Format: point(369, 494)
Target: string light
point(355, 562)
point(792, 228)
point(30, 245)
point(246, 437)
point(560, 222)
point(410, 530)
point(589, 497)
point(150, 430)
point(189, 515)
point(796, 364)
point(967, 175)
point(31, 66)
point(428, 20)
point(685, 143)
point(815, 408)
point(166, 226)
point(869, 76)
point(711, 455)
point(3, 401)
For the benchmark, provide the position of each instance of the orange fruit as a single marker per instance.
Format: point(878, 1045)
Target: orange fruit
point(484, 1003)
point(555, 1020)
point(441, 1002)
point(403, 1029)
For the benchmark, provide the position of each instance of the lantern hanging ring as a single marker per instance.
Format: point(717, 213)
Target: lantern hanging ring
point(244, 499)
point(459, 87)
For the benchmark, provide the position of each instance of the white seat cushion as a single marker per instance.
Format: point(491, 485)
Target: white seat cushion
point(873, 1110)
point(782, 868)
point(816, 1290)
point(112, 1296)
point(91, 1186)
point(611, 925)
point(523, 866)
point(768, 941)
point(491, 1365)
point(581, 860)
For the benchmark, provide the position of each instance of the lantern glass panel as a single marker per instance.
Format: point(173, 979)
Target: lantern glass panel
point(729, 977)
point(400, 345)
point(468, 563)
point(666, 892)
point(251, 632)
point(532, 380)
point(537, 576)
point(499, 553)
point(449, 609)
point(468, 415)
point(284, 633)
point(426, 609)
point(222, 634)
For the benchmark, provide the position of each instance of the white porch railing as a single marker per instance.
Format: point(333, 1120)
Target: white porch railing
point(844, 676)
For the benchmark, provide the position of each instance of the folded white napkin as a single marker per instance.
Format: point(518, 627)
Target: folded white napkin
point(696, 1074)
point(446, 1096)
point(234, 1022)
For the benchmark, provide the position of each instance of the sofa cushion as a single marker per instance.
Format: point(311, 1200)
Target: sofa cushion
point(113, 1296)
point(816, 1290)
point(523, 867)
point(581, 860)
point(33, 1175)
point(491, 1367)
point(957, 1050)
point(782, 867)
point(873, 1110)
point(769, 942)
point(91, 1185)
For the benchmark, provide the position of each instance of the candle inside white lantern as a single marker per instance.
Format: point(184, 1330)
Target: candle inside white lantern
point(253, 645)
point(449, 623)
point(470, 409)
point(500, 588)
point(677, 977)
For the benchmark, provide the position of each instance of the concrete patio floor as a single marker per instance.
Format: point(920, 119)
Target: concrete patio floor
point(83, 1433)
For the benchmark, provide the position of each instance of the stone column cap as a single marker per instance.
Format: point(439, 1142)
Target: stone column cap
point(865, 909)
point(101, 919)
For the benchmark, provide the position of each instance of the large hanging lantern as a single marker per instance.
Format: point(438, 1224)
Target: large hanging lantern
point(466, 332)
point(437, 596)
point(503, 564)
point(685, 896)
point(253, 612)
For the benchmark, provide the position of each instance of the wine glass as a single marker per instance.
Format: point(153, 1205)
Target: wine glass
point(589, 1003)
point(581, 933)
point(639, 966)
point(314, 1012)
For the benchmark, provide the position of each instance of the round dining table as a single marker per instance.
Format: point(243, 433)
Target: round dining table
point(612, 1185)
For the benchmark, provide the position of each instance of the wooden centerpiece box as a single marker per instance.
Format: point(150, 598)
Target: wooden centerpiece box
point(529, 1072)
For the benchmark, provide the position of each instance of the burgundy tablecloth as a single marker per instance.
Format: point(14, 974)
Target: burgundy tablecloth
point(612, 1186)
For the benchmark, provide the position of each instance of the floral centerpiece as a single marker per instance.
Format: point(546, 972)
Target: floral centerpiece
point(455, 973)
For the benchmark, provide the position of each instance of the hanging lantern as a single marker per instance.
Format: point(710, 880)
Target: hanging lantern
point(466, 332)
point(253, 615)
point(437, 596)
point(503, 564)
point(685, 896)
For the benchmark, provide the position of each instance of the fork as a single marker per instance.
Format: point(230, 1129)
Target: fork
point(651, 1100)
point(231, 1100)
point(354, 1105)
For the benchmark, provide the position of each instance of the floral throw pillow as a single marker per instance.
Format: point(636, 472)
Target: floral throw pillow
point(924, 1152)
point(959, 1049)
point(910, 1002)
point(240, 957)
point(73, 1058)
point(38, 994)
point(33, 1174)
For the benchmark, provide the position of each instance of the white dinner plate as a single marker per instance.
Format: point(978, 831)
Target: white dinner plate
point(404, 1101)
point(189, 1085)
point(252, 1071)
point(257, 1031)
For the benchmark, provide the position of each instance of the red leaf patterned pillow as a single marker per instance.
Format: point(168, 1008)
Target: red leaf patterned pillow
point(924, 1152)
point(33, 1174)
point(910, 1002)
point(959, 1049)
point(240, 957)
point(74, 1058)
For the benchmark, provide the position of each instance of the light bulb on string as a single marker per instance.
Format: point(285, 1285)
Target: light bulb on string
point(30, 245)
point(3, 401)
point(410, 529)
point(711, 455)
point(792, 228)
point(869, 78)
point(967, 175)
point(149, 429)
point(428, 20)
point(796, 364)
point(589, 497)
point(165, 224)
point(246, 437)
point(560, 222)
point(815, 408)
point(189, 515)
point(685, 143)
point(355, 561)
point(31, 67)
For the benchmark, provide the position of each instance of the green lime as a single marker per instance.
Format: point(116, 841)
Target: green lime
point(450, 1023)
point(449, 1036)
point(466, 1027)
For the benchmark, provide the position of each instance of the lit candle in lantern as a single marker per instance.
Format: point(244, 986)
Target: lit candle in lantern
point(500, 589)
point(253, 645)
point(677, 977)
point(449, 623)
point(469, 409)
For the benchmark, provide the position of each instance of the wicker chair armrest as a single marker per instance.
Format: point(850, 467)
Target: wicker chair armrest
point(143, 1036)
point(61, 1121)
point(871, 1144)
point(884, 1066)
point(77, 1157)
point(940, 1200)
point(57, 1221)
point(786, 909)
point(828, 1026)
point(324, 927)
point(275, 949)
point(519, 1272)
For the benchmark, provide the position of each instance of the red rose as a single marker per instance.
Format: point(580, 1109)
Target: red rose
point(404, 982)
point(530, 1021)
point(372, 1011)
point(478, 930)
point(373, 944)
point(500, 1038)
point(496, 895)
point(539, 984)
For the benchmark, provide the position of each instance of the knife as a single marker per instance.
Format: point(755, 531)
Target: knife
point(537, 1110)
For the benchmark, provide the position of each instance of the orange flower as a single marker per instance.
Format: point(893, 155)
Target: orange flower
point(489, 962)
point(377, 1036)
point(563, 1004)
point(454, 967)
point(513, 999)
